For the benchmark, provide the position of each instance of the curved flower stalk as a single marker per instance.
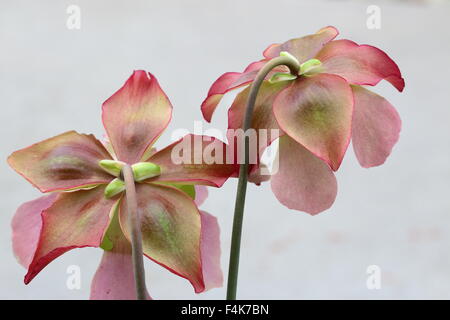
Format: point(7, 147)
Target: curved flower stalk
point(87, 207)
point(310, 90)
point(317, 112)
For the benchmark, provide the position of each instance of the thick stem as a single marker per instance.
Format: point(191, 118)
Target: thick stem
point(294, 67)
point(136, 236)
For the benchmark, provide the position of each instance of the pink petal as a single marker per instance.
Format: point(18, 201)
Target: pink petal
point(317, 112)
point(360, 64)
point(26, 227)
point(135, 116)
point(114, 278)
point(67, 161)
point(303, 181)
point(171, 230)
point(75, 220)
point(303, 48)
point(201, 193)
point(210, 251)
point(376, 127)
point(189, 161)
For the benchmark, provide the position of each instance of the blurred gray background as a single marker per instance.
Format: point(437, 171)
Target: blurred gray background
point(396, 216)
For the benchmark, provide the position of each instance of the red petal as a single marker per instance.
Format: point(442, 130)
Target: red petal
point(192, 160)
point(210, 248)
point(75, 220)
point(317, 112)
point(26, 227)
point(114, 279)
point(135, 116)
point(376, 127)
point(360, 64)
point(171, 229)
point(303, 48)
point(303, 181)
point(67, 161)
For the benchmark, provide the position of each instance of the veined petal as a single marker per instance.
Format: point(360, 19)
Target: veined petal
point(360, 64)
point(171, 230)
point(210, 251)
point(303, 181)
point(26, 227)
point(135, 116)
point(317, 111)
point(114, 278)
point(193, 159)
point(303, 48)
point(65, 162)
point(75, 220)
point(376, 127)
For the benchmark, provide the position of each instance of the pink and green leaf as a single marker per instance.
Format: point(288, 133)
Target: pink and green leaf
point(135, 116)
point(194, 159)
point(303, 48)
point(316, 111)
point(65, 162)
point(74, 220)
point(171, 230)
point(360, 64)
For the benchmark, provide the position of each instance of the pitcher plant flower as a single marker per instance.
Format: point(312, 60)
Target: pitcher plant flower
point(310, 91)
point(317, 111)
point(89, 197)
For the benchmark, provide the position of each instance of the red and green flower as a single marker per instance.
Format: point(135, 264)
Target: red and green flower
point(85, 206)
point(317, 112)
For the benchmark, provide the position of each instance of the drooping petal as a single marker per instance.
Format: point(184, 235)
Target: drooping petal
point(201, 193)
point(194, 159)
point(360, 64)
point(376, 127)
point(317, 111)
point(135, 116)
point(303, 48)
point(26, 227)
point(303, 181)
point(67, 161)
point(210, 251)
point(171, 229)
point(114, 278)
point(75, 220)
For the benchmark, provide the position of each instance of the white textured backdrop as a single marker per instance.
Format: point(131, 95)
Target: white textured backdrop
point(396, 216)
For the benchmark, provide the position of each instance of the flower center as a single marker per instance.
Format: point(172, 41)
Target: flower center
point(141, 172)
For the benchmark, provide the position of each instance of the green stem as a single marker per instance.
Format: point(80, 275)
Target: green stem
point(294, 68)
point(136, 236)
